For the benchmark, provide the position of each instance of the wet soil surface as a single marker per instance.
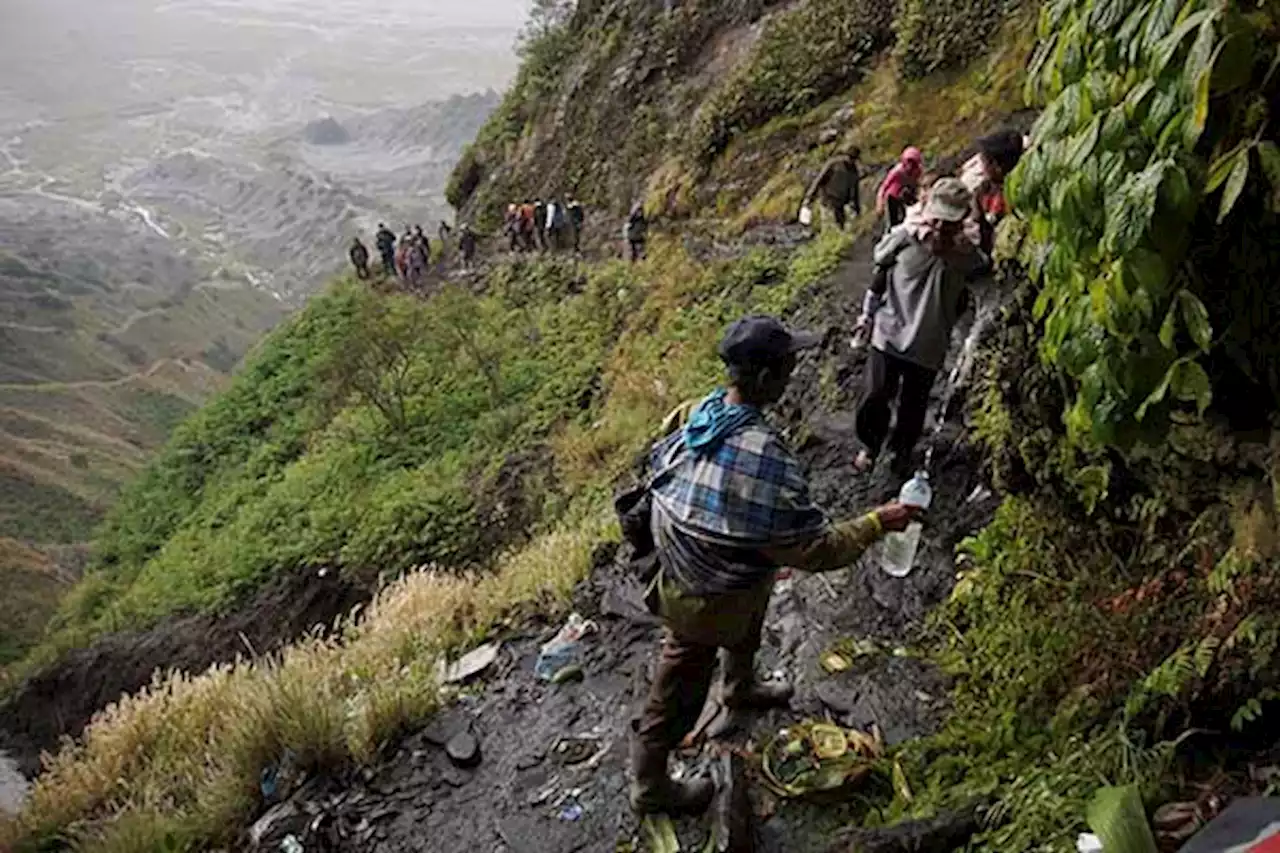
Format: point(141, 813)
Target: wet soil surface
point(553, 769)
point(60, 701)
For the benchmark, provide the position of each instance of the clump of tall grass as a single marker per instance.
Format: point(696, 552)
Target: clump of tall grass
point(180, 761)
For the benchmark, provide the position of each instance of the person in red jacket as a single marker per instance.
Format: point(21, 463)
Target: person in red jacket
point(900, 187)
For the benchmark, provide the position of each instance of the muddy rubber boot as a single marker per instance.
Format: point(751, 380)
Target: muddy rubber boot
point(742, 690)
point(654, 792)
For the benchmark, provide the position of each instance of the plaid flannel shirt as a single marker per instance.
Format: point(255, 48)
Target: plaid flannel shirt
point(716, 515)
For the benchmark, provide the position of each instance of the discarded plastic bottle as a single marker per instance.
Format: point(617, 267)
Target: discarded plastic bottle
point(898, 550)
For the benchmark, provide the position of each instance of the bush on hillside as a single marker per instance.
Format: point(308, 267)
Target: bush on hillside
point(937, 34)
point(805, 55)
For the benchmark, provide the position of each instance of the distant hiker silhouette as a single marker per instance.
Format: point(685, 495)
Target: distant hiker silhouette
point(359, 258)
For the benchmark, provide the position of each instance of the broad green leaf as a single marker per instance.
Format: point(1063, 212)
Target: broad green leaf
point(1194, 127)
point(1161, 21)
point(1169, 45)
point(1235, 183)
point(1169, 327)
point(1137, 97)
point(1115, 129)
point(1149, 270)
point(1196, 318)
point(1083, 144)
point(1117, 817)
point(1158, 395)
point(1191, 384)
point(1220, 170)
point(1105, 14)
point(1200, 58)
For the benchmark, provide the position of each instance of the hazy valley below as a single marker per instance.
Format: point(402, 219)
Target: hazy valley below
point(165, 201)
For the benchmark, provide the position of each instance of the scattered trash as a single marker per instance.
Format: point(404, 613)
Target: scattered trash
point(291, 844)
point(463, 750)
point(806, 216)
point(813, 758)
point(660, 834)
point(563, 649)
point(1087, 842)
point(834, 662)
point(572, 751)
point(1117, 817)
point(829, 741)
point(572, 813)
point(842, 654)
point(471, 664)
point(568, 675)
point(279, 778)
point(979, 493)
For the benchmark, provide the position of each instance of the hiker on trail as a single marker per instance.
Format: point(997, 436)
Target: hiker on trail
point(636, 232)
point(402, 253)
point(540, 224)
point(445, 232)
point(577, 218)
point(359, 258)
point(838, 185)
point(557, 225)
point(984, 174)
point(511, 226)
point(526, 217)
point(923, 270)
point(730, 506)
point(386, 242)
point(900, 187)
point(419, 260)
point(467, 245)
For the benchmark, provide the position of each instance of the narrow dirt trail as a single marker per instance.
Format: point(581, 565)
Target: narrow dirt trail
point(554, 770)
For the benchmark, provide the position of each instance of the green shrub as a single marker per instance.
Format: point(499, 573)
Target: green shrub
point(938, 34)
point(805, 55)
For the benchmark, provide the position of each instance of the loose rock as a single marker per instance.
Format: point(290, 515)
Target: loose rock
point(463, 750)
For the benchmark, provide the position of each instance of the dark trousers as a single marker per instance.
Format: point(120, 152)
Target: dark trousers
point(637, 250)
point(837, 213)
point(696, 629)
point(837, 208)
point(389, 263)
point(888, 379)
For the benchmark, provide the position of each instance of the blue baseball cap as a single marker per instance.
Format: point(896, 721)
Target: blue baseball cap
point(761, 339)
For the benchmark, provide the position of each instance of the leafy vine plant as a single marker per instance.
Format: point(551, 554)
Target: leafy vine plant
point(1156, 119)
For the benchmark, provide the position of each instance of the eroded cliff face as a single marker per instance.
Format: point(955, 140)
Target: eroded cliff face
point(695, 107)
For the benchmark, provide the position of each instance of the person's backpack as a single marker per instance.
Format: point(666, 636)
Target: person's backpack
point(634, 508)
point(557, 218)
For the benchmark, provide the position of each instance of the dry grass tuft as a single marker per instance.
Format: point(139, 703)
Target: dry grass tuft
point(181, 760)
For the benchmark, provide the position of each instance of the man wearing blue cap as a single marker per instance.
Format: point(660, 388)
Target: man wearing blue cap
point(731, 506)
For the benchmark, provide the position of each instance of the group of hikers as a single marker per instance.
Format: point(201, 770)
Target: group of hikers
point(409, 257)
point(547, 226)
point(728, 504)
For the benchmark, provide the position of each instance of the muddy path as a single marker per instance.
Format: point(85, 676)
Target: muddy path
point(553, 770)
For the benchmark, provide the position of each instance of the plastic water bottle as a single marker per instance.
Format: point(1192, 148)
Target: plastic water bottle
point(898, 550)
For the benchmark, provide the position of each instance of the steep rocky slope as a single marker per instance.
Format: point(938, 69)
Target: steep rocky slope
point(1098, 597)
